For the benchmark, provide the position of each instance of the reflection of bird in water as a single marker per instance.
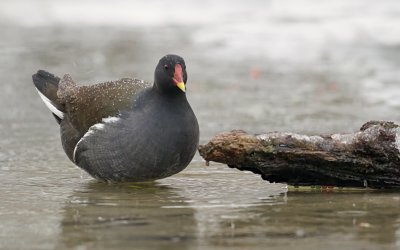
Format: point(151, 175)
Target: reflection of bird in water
point(105, 216)
point(186, 210)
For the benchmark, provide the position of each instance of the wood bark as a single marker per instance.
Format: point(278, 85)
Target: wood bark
point(368, 158)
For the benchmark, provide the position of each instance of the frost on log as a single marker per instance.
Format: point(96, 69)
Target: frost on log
point(368, 158)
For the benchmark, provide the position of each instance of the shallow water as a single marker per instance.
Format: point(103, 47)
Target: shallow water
point(260, 66)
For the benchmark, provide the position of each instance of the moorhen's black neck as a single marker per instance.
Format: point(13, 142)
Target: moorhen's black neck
point(173, 92)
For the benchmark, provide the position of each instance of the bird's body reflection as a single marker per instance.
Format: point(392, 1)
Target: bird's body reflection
point(106, 216)
point(177, 212)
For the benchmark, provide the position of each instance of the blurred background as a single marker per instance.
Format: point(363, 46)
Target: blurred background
point(305, 66)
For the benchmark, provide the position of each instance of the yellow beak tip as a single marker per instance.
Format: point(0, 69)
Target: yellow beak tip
point(181, 86)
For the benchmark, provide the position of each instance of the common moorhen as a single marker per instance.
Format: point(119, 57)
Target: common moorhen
point(125, 130)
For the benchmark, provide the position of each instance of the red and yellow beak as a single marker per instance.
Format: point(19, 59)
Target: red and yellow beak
point(178, 78)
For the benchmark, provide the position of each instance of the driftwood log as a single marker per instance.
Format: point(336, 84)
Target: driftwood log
point(368, 158)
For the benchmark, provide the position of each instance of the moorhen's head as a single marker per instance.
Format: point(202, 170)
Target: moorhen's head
point(170, 74)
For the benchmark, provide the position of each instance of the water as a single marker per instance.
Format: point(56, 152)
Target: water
point(306, 67)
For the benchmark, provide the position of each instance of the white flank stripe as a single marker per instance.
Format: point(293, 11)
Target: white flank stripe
point(73, 155)
point(98, 126)
point(111, 119)
point(92, 129)
point(51, 106)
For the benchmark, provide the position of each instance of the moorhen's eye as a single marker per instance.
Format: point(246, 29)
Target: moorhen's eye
point(166, 67)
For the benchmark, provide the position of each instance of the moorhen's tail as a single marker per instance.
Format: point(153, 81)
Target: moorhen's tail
point(47, 86)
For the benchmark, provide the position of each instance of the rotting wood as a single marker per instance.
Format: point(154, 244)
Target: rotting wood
point(368, 158)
